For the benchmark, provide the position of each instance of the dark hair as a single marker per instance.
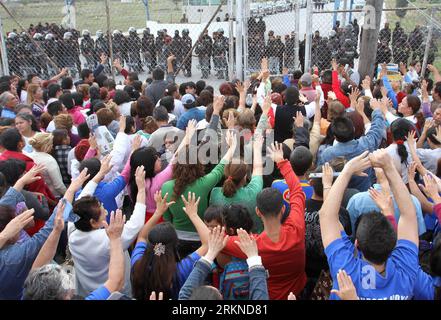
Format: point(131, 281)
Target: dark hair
point(133, 94)
point(327, 76)
point(157, 272)
point(400, 128)
point(109, 84)
point(185, 172)
point(130, 125)
point(214, 213)
point(94, 94)
point(343, 129)
point(67, 100)
point(237, 216)
point(209, 112)
point(93, 166)
point(52, 90)
point(85, 73)
point(59, 136)
point(100, 79)
point(66, 83)
point(7, 213)
point(20, 86)
point(205, 293)
point(204, 99)
point(144, 107)
point(96, 105)
point(146, 157)
point(414, 103)
point(12, 169)
point(121, 97)
point(376, 237)
point(357, 121)
point(10, 138)
point(160, 114)
point(200, 85)
point(431, 134)
point(170, 90)
point(158, 74)
point(168, 102)
point(301, 160)
point(234, 173)
point(54, 108)
point(269, 201)
point(30, 118)
point(182, 88)
point(83, 130)
point(137, 85)
point(86, 208)
point(78, 98)
point(132, 76)
point(22, 106)
point(209, 88)
point(291, 96)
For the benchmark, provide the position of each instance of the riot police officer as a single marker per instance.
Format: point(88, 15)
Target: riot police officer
point(204, 52)
point(186, 49)
point(325, 54)
point(384, 53)
point(219, 55)
point(334, 44)
point(349, 52)
point(402, 50)
point(397, 33)
point(38, 55)
point(290, 51)
point(148, 49)
point(12, 49)
point(385, 33)
point(134, 49)
point(87, 48)
point(176, 49)
point(69, 53)
point(272, 53)
point(49, 47)
point(159, 43)
point(117, 44)
point(416, 39)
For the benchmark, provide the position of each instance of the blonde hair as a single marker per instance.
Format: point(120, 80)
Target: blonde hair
point(83, 89)
point(42, 142)
point(63, 121)
point(32, 89)
point(112, 106)
point(246, 120)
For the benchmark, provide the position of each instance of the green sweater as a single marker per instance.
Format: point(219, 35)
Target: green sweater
point(201, 187)
point(245, 196)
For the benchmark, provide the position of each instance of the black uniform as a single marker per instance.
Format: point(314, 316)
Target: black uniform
point(349, 52)
point(384, 54)
point(148, 50)
point(87, 47)
point(402, 51)
point(133, 51)
point(204, 51)
point(220, 48)
point(176, 49)
point(416, 39)
point(186, 49)
point(385, 34)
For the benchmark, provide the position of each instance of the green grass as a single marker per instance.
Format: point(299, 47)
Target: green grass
point(91, 15)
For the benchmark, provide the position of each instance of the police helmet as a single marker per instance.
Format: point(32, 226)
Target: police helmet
point(67, 35)
point(99, 33)
point(185, 31)
point(38, 36)
point(348, 42)
point(12, 35)
point(176, 32)
point(49, 36)
point(85, 33)
point(147, 30)
point(221, 31)
point(332, 34)
point(116, 32)
point(132, 30)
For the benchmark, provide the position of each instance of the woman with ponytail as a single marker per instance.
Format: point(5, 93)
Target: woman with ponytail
point(235, 190)
point(399, 149)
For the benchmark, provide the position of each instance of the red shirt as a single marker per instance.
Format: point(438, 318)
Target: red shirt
point(336, 88)
point(285, 259)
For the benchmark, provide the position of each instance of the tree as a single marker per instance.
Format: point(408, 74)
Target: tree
point(401, 4)
point(369, 41)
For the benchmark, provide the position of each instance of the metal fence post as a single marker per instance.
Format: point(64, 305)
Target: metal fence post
point(239, 39)
point(4, 53)
point(345, 7)
point(297, 31)
point(109, 38)
point(309, 17)
point(428, 41)
point(231, 71)
point(147, 13)
point(245, 17)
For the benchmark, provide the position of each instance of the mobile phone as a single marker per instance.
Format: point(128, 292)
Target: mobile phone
point(320, 175)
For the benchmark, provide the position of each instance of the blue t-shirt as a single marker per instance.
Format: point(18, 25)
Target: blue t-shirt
point(102, 293)
point(193, 113)
point(281, 185)
point(183, 270)
point(425, 286)
point(399, 278)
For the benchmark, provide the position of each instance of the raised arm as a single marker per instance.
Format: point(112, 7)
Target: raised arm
point(191, 209)
point(426, 205)
point(407, 225)
point(48, 250)
point(14, 226)
point(329, 221)
point(75, 185)
point(257, 155)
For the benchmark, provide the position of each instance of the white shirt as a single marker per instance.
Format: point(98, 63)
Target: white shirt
point(51, 128)
point(125, 108)
point(51, 174)
point(91, 253)
point(429, 158)
point(23, 96)
point(177, 111)
point(392, 150)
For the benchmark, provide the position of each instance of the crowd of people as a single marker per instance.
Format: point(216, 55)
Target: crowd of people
point(318, 187)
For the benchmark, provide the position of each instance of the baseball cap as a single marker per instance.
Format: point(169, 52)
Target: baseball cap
point(306, 80)
point(188, 100)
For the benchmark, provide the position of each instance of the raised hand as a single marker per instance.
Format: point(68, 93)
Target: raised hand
point(357, 165)
point(17, 224)
point(383, 200)
point(354, 95)
point(366, 83)
point(231, 139)
point(77, 183)
point(92, 143)
point(346, 287)
point(161, 203)
point(217, 240)
point(59, 221)
point(292, 296)
point(403, 68)
point(153, 296)
point(411, 171)
point(328, 176)
point(103, 58)
point(218, 104)
point(116, 226)
point(247, 244)
point(190, 130)
point(122, 123)
point(266, 104)
point(334, 64)
point(332, 96)
point(299, 120)
point(136, 142)
point(140, 178)
point(430, 188)
point(106, 166)
point(191, 204)
point(411, 138)
point(275, 152)
point(30, 176)
point(380, 159)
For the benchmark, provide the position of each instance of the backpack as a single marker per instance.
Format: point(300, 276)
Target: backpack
point(235, 281)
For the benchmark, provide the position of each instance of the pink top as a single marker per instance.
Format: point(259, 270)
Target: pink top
point(77, 116)
point(151, 184)
point(392, 221)
point(437, 210)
